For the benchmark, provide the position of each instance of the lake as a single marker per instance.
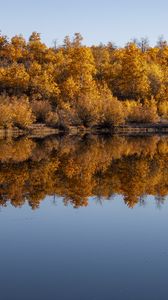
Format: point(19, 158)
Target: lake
point(84, 218)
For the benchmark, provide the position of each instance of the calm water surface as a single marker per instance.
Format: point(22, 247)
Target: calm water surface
point(99, 234)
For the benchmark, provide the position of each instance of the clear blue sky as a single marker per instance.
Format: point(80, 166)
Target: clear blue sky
point(98, 21)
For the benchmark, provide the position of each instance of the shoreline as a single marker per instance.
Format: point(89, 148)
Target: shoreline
point(42, 130)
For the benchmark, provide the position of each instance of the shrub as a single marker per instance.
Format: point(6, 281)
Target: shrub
point(142, 112)
point(86, 112)
point(113, 112)
point(22, 113)
point(163, 109)
point(41, 108)
point(15, 112)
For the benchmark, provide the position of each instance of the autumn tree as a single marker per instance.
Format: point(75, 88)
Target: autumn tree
point(133, 82)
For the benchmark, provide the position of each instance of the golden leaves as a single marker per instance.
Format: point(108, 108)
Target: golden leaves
point(127, 166)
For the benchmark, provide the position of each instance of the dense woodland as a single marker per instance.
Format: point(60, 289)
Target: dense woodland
point(79, 168)
point(77, 85)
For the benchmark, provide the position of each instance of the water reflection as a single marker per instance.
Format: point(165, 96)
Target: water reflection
point(81, 167)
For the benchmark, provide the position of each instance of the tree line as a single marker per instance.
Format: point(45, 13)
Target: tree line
point(74, 84)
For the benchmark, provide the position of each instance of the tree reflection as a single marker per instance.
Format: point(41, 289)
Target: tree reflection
point(81, 167)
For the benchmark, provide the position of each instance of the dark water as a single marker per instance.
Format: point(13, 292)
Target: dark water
point(84, 218)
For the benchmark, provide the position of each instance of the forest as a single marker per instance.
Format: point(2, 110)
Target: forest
point(77, 85)
point(83, 168)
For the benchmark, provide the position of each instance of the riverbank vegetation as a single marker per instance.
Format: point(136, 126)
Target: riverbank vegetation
point(77, 85)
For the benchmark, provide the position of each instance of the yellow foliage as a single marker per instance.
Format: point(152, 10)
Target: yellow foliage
point(78, 169)
point(15, 112)
point(14, 77)
point(83, 85)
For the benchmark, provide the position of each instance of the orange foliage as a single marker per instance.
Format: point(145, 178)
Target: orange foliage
point(85, 85)
point(78, 169)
